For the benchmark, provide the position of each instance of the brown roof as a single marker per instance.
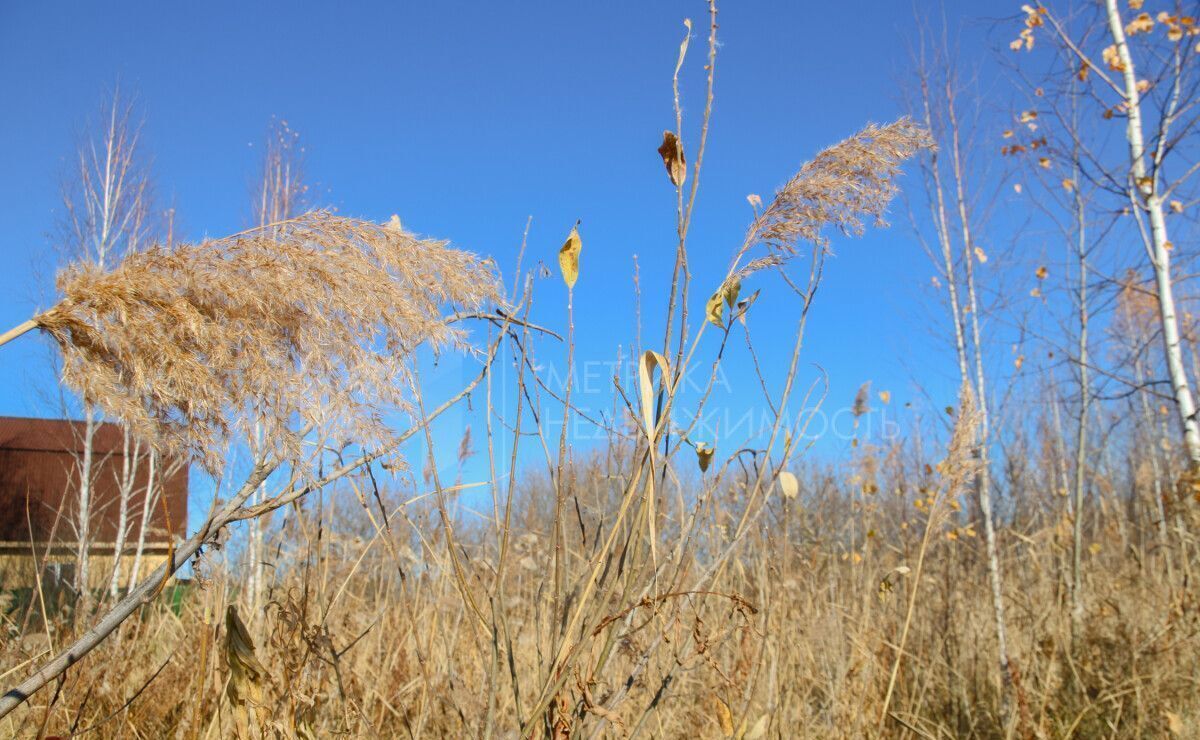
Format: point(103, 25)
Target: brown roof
point(40, 461)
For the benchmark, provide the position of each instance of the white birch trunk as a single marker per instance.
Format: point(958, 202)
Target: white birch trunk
point(84, 515)
point(125, 484)
point(1144, 186)
point(983, 481)
point(148, 502)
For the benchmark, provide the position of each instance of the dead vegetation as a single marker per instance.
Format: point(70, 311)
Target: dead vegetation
point(662, 582)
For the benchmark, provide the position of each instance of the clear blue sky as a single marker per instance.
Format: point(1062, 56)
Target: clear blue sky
point(466, 118)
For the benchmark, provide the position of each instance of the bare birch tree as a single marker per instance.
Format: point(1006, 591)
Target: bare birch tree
point(280, 194)
point(956, 253)
point(1141, 68)
point(106, 202)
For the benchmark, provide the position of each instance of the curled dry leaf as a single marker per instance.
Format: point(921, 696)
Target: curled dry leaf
point(1112, 58)
point(568, 256)
point(758, 729)
point(743, 306)
point(723, 716)
point(704, 456)
point(1143, 23)
point(789, 486)
point(671, 151)
point(727, 294)
point(245, 671)
point(683, 45)
point(650, 361)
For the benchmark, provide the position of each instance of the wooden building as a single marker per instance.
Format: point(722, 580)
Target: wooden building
point(40, 464)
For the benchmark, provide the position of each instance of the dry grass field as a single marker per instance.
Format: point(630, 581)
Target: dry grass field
point(1019, 564)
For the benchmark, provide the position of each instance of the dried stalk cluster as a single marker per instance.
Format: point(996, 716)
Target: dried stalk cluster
point(308, 321)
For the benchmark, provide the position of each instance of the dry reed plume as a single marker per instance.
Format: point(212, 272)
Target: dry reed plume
point(308, 321)
point(846, 183)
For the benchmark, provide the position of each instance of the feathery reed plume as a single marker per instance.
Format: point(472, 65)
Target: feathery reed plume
point(844, 184)
point(958, 467)
point(308, 321)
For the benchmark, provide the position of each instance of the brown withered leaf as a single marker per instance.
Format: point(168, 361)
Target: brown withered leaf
point(671, 151)
point(246, 673)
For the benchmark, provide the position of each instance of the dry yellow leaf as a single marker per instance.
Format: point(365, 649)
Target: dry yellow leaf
point(1174, 723)
point(885, 396)
point(704, 456)
point(723, 717)
point(1177, 206)
point(1068, 184)
point(789, 486)
point(671, 151)
point(980, 255)
point(1112, 58)
point(714, 310)
point(649, 362)
point(1136, 4)
point(1041, 272)
point(732, 288)
point(759, 729)
point(1143, 23)
point(727, 294)
point(1044, 162)
point(568, 256)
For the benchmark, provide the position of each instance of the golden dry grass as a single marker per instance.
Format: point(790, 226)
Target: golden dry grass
point(801, 634)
